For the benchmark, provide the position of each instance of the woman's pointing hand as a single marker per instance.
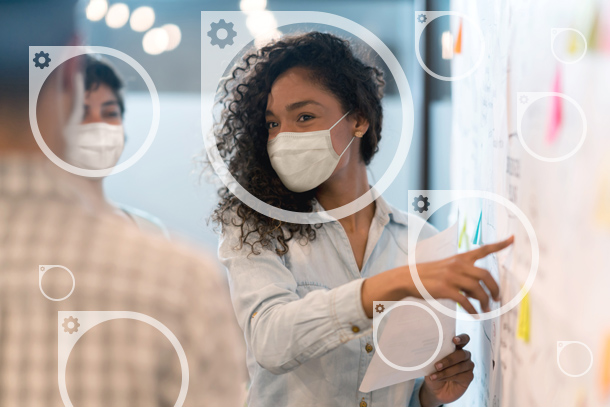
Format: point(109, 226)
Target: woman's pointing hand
point(457, 277)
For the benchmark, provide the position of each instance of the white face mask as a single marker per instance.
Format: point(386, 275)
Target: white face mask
point(304, 160)
point(94, 146)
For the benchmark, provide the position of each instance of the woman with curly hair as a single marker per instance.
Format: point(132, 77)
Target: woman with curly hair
point(301, 120)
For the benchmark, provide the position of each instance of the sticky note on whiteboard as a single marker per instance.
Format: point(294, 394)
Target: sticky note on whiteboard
point(464, 235)
point(458, 41)
point(556, 116)
point(605, 368)
point(523, 322)
point(477, 233)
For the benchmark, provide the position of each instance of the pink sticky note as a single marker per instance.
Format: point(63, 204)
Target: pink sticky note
point(556, 110)
point(605, 29)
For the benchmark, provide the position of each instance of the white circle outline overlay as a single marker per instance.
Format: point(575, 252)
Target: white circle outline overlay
point(561, 345)
point(540, 95)
point(81, 50)
point(462, 194)
point(65, 346)
point(555, 32)
point(438, 347)
point(42, 269)
point(437, 14)
point(384, 182)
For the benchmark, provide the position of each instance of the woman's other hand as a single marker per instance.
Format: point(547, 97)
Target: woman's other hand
point(454, 374)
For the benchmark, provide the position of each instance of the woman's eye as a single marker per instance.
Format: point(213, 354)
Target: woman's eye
point(111, 114)
point(305, 117)
point(271, 125)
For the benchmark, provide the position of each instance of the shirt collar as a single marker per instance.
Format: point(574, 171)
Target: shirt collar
point(383, 210)
point(390, 212)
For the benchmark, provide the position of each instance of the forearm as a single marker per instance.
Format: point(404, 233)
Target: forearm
point(391, 285)
point(285, 332)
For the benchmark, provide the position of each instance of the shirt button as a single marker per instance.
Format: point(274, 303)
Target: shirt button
point(363, 403)
point(369, 348)
point(355, 329)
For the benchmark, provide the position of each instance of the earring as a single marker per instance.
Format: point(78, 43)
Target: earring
point(358, 134)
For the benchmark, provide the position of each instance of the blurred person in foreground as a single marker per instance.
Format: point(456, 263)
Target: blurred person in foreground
point(115, 266)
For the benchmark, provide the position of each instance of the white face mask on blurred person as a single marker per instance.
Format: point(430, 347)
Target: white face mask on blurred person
point(94, 146)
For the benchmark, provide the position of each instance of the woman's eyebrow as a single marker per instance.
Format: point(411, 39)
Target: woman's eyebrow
point(302, 103)
point(294, 106)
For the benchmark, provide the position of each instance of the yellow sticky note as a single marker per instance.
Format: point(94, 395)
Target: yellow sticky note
point(464, 236)
point(593, 40)
point(605, 368)
point(573, 43)
point(523, 322)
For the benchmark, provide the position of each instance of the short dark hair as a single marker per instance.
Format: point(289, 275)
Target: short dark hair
point(100, 72)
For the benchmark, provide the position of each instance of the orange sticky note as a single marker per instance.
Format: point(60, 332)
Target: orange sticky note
point(458, 39)
point(556, 116)
point(605, 368)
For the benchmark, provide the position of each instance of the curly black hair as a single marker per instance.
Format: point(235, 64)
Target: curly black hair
point(241, 132)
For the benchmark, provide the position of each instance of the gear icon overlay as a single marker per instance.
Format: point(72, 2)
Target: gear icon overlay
point(44, 56)
point(422, 18)
point(523, 99)
point(70, 325)
point(379, 308)
point(221, 25)
point(417, 200)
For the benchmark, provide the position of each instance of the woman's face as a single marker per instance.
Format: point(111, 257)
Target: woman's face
point(298, 104)
point(101, 105)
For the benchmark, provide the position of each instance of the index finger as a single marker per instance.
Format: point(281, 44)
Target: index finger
point(489, 248)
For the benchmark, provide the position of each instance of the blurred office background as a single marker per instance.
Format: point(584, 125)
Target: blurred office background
point(164, 36)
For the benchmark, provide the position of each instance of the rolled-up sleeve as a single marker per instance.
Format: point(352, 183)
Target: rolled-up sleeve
point(414, 402)
point(281, 329)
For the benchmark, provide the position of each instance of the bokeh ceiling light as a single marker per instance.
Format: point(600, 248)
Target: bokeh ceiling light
point(261, 23)
point(264, 39)
point(142, 19)
point(118, 15)
point(155, 41)
point(250, 6)
point(96, 10)
point(174, 34)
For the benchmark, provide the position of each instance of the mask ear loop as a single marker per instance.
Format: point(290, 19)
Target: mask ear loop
point(348, 112)
point(353, 137)
point(349, 144)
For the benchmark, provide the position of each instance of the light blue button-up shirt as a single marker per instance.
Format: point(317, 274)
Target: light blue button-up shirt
point(301, 313)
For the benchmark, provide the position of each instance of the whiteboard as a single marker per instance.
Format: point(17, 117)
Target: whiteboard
point(537, 353)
